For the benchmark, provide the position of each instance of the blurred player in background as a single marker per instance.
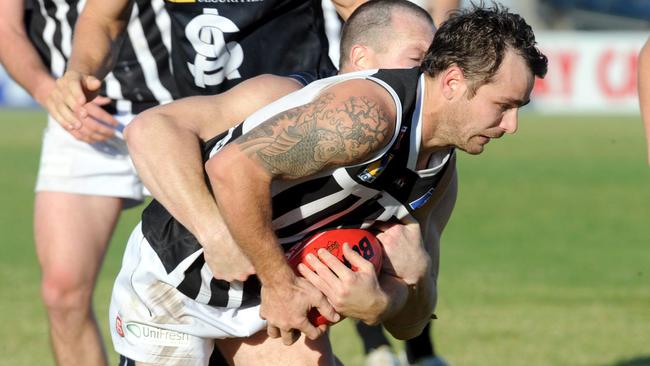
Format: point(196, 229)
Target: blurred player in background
point(644, 91)
point(85, 177)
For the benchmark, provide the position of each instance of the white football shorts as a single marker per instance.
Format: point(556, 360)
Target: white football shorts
point(152, 322)
point(73, 166)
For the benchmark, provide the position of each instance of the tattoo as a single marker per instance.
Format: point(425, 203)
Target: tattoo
point(303, 140)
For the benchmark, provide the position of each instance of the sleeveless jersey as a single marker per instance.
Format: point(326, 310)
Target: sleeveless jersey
point(385, 188)
point(141, 77)
point(219, 43)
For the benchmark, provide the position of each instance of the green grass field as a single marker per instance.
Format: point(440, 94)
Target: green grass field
point(546, 260)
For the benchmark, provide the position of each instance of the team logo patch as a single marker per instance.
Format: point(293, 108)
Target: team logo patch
point(215, 59)
point(422, 200)
point(373, 170)
point(147, 334)
point(118, 326)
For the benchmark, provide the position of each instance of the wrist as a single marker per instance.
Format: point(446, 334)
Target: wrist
point(43, 89)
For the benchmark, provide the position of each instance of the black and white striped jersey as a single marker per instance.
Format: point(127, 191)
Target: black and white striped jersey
point(141, 77)
point(219, 43)
point(387, 187)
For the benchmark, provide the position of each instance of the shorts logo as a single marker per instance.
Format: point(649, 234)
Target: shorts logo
point(147, 334)
point(118, 326)
point(215, 60)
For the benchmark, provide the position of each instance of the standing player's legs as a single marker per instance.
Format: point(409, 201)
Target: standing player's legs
point(72, 232)
point(81, 190)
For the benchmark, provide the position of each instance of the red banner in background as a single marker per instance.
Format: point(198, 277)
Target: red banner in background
point(589, 72)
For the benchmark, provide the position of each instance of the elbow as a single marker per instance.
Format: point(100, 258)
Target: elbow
point(221, 170)
point(144, 129)
point(136, 131)
point(406, 334)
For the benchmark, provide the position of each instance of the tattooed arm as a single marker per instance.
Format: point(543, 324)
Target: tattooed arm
point(345, 125)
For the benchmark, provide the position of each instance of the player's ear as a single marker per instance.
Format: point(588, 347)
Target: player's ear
point(361, 58)
point(453, 82)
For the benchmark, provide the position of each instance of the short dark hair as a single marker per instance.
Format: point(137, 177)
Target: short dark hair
point(476, 40)
point(370, 22)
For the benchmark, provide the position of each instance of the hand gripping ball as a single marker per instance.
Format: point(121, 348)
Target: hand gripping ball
point(361, 241)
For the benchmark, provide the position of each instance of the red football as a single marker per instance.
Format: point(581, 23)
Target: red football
point(361, 241)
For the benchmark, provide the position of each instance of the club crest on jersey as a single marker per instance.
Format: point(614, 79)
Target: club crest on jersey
point(215, 59)
point(373, 170)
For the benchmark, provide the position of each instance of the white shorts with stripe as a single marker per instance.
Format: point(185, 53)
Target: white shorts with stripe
point(152, 322)
point(102, 169)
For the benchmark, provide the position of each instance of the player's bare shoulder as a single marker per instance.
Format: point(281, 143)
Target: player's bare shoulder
point(345, 124)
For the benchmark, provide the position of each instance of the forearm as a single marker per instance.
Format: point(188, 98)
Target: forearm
point(19, 57)
point(644, 91)
point(242, 191)
point(177, 181)
point(409, 317)
point(97, 37)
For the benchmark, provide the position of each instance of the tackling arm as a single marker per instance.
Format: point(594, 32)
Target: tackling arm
point(178, 181)
point(412, 316)
point(18, 55)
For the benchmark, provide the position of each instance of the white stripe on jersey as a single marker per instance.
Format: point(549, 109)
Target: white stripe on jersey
point(299, 213)
point(145, 58)
point(66, 29)
point(57, 64)
point(114, 90)
point(163, 22)
point(204, 292)
point(235, 294)
point(416, 138)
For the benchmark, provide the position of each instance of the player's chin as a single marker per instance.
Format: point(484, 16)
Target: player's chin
point(473, 148)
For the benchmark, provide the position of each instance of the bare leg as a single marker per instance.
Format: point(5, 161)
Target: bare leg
point(260, 349)
point(72, 233)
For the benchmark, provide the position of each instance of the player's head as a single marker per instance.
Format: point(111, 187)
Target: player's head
point(385, 34)
point(477, 40)
point(483, 63)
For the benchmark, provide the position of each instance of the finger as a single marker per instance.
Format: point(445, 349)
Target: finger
point(77, 135)
point(272, 331)
point(60, 112)
point(321, 268)
point(91, 83)
point(334, 263)
point(67, 119)
point(327, 310)
point(356, 260)
point(98, 113)
point(101, 100)
point(96, 126)
point(73, 92)
point(290, 336)
point(93, 130)
point(314, 279)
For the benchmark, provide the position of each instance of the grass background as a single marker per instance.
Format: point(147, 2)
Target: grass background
point(546, 260)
